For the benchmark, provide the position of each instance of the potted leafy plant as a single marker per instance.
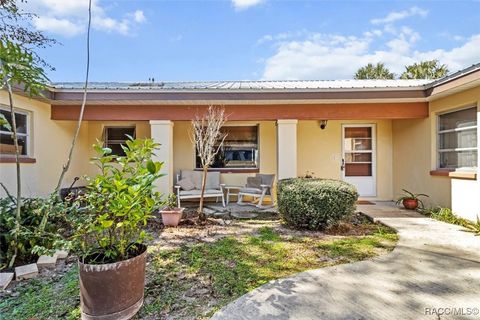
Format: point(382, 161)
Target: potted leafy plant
point(171, 214)
point(110, 236)
point(411, 200)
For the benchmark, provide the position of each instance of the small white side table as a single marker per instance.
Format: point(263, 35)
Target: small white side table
point(232, 191)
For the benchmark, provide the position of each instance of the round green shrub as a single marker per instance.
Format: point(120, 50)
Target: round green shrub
point(315, 204)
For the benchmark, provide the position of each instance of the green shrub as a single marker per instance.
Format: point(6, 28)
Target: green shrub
point(33, 237)
point(315, 204)
point(447, 215)
point(117, 203)
point(474, 227)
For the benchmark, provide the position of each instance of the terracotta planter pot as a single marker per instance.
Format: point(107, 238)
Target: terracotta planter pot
point(172, 217)
point(112, 290)
point(410, 204)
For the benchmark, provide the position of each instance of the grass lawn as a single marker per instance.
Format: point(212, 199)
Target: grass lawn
point(194, 280)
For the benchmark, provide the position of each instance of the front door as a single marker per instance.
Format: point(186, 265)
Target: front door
point(358, 157)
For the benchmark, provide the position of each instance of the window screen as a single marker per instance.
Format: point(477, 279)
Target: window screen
point(7, 146)
point(239, 150)
point(457, 139)
point(115, 137)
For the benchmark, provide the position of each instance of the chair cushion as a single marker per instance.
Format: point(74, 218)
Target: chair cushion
point(213, 180)
point(254, 182)
point(193, 192)
point(194, 176)
point(186, 184)
point(196, 192)
point(251, 190)
point(267, 179)
point(213, 191)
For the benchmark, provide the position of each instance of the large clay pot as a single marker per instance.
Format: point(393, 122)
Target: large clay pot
point(112, 291)
point(172, 217)
point(410, 204)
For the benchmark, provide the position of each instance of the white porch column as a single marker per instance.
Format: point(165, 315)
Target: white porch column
point(161, 131)
point(287, 148)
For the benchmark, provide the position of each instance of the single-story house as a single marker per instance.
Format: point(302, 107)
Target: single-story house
point(380, 135)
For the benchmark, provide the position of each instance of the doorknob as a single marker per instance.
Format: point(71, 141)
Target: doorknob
point(342, 167)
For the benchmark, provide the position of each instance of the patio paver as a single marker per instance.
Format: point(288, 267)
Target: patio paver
point(26, 271)
point(5, 279)
point(47, 261)
point(435, 265)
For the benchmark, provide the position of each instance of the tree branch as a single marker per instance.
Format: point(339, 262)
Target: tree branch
point(82, 109)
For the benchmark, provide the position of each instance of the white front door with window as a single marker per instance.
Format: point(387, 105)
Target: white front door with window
point(359, 157)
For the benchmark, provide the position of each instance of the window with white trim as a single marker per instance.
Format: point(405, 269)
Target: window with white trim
point(7, 147)
point(115, 137)
point(239, 149)
point(457, 139)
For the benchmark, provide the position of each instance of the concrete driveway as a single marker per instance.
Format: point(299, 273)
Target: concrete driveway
point(433, 273)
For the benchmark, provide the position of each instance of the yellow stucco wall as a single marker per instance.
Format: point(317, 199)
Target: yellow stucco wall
point(95, 131)
point(50, 141)
point(406, 149)
point(184, 151)
point(319, 151)
point(414, 153)
point(412, 162)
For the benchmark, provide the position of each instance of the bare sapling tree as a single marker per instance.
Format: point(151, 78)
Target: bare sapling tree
point(208, 140)
point(66, 166)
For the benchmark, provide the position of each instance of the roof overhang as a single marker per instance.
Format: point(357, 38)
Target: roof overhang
point(187, 97)
point(466, 80)
point(345, 92)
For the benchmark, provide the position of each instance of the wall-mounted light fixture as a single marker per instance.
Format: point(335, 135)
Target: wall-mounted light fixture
point(323, 124)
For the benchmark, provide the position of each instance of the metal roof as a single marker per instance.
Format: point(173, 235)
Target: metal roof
point(254, 85)
point(458, 74)
point(269, 89)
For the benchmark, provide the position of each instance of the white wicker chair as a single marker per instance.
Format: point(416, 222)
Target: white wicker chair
point(261, 192)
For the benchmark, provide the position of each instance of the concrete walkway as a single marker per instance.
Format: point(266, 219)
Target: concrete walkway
point(435, 265)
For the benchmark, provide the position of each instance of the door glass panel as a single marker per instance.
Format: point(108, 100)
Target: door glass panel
point(358, 138)
point(358, 157)
point(357, 144)
point(358, 132)
point(358, 164)
point(358, 169)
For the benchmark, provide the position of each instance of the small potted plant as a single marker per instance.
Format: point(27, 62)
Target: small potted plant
point(109, 231)
point(411, 200)
point(171, 214)
point(309, 175)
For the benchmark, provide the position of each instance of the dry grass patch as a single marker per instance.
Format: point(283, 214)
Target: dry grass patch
point(205, 269)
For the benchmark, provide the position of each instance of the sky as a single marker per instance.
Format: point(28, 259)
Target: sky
point(253, 39)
